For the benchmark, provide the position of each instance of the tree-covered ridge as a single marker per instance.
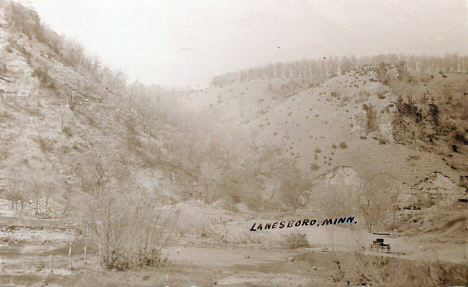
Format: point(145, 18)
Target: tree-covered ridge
point(331, 66)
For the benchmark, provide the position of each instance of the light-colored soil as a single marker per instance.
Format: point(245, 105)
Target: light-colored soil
point(240, 258)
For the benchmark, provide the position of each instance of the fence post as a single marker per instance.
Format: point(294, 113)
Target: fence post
point(51, 264)
point(70, 257)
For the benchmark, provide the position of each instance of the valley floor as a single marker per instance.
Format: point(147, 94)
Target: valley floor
point(35, 252)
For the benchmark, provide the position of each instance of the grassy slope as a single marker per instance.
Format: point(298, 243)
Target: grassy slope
point(244, 102)
point(315, 123)
point(307, 124)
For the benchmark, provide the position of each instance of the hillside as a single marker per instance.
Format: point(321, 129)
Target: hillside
point(61, 112)
point(241, 103)
point(349, 120)
point(235, 184)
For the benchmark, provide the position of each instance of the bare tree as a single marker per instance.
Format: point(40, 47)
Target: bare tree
point(128, 225)
point(336, 200)
point(295, 188)
point(73, 95)
point(375, 200)
point(18, 192)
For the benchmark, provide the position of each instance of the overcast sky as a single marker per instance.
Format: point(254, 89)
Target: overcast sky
point(188, 42)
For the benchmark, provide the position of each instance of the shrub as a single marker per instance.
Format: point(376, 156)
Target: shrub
point(43, 76)
point(317, 150)
point(335, 94)
point(125, 223)
point(334, 145)
point(44, 145)
point(249, 237)
point(294, 189)
point(67, 131)
point(343, 145)
point(314, 167)
point(295, 240)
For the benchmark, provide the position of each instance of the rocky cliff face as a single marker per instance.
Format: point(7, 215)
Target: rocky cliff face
point(377, 117)
point(340, 176)
point(437, 190)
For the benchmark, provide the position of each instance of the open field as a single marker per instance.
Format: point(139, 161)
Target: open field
point(36, 253)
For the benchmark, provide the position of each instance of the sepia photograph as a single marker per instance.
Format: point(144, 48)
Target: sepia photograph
point(233, 143)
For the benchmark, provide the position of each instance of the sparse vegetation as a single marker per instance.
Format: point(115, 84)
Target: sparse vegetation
point(67, 131)
point(294, 190)
point(44, 145)
point(375, 201)
point(134, 169)
point(314, 167)
point(295, 240)
point(43, 76)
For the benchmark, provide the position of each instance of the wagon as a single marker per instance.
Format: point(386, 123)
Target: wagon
point(379, 244)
